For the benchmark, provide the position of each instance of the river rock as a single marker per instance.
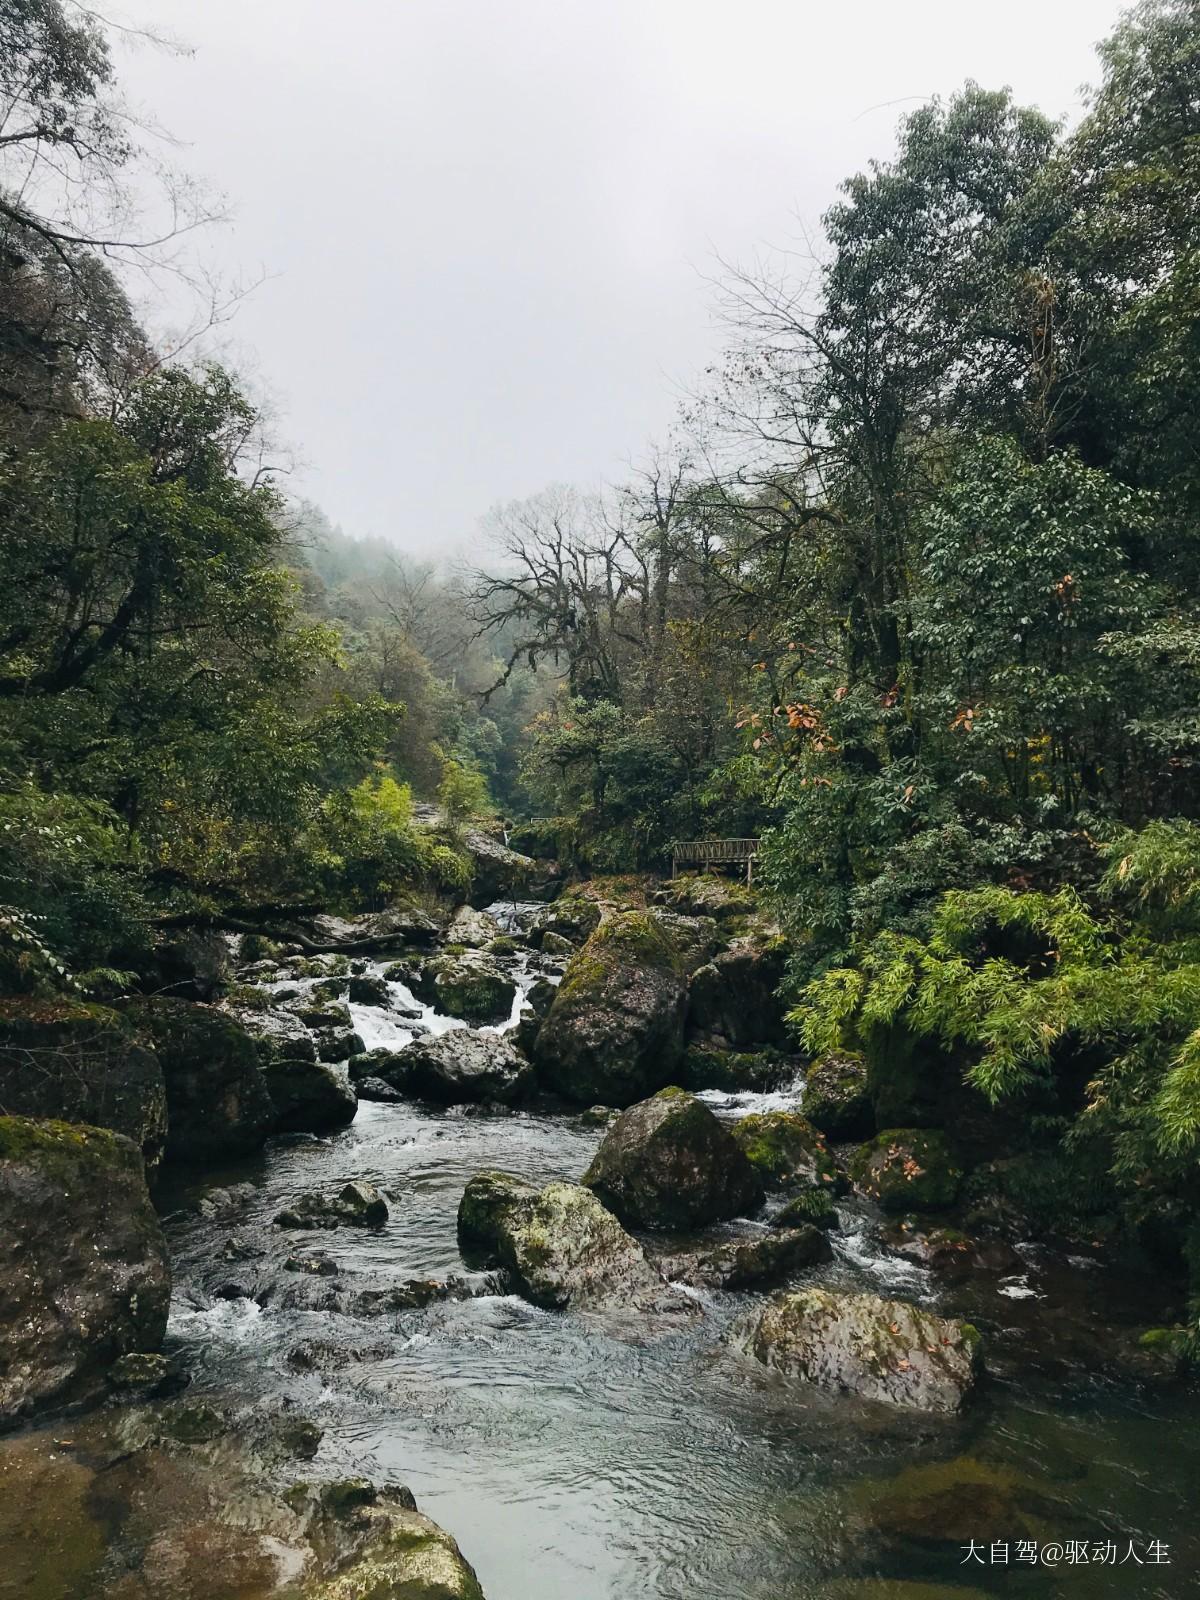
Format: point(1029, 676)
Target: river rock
point(73, 1062)
point(614, 1032)
point(572, 917)
point(309, 1096)
point(560, 1245)
point(375, 931)
point(84, 1274)
point(733, 1001)
point(948, 1252)
point(786, 1151)
point(218, 1105)
point(192, 964)
point(812, 1206)
point(463, 1065)
point(749, 1263)
point(474, 929)
point(907, 1169)
point(365, 989)
point(277, 1031)
point(497, 873)
point(859, 1344)
point(836, 1099)
point(406, 1556)
point(359, 1205)
point(735, 1071)
point(669, 1163)
point(469, 987)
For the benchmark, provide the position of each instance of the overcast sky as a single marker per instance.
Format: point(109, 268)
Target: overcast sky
point(489, 222)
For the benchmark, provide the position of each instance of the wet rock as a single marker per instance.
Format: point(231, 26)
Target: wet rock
point(278, 1032)
point(734, 1071)
point(313, 1262)
point(669, 1163)
point(73, 1062)
point(560, 1245)
point(571, 917)
point(733, 1001)
point(907, 1169)
point(463, 1065)
point(836, 1099)
point(322, 1015)
point(469, 987)
point(225, 1199)
point(554, 944)
point(404, 1556)
point(146, 1375)
point(338, 1044)
point(358, 1205)
point(379, 930)
point(367, 990)
point(812, 1206)
point(859, 1344)
point(330, 990)
point(946, 1504)
point(309, 1096)
point(377, 1089)
point(614, 1031)
point(948, 1252)
point(217, 1101)
point(750, 1263)
point(389, 1065)
point(787, 1151)
point(474, 929)
point(84, 1274)
point(498, 873)
point(696, 939)
point(599, 1116)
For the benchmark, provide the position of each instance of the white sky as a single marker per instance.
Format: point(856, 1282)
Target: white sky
point(489, 222)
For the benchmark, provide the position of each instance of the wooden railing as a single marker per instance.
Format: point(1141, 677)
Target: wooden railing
point(716, 853)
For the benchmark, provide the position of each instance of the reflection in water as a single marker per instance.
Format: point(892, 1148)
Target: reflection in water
point(574, 1464)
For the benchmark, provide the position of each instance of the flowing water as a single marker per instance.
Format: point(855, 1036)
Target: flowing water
point(576, 1460)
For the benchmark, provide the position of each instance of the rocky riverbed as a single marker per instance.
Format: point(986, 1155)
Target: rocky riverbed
point(697, 1348)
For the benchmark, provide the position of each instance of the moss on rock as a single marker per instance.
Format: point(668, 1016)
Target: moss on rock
point(907, 1169)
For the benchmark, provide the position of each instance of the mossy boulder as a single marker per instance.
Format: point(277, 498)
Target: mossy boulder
point(561, 1247)
point(734, 1000)
point(614, 1032)
point(862, 1345)
point(836, 1099)
point(755, 1263)
point(462, 1066)
point(357, 1205)
point(310, 1096)
point(218, 1105)
point(277, 1031)
point(572, 917)
point(403, 1555)
point(474, 930)
point(84, 1274)
point(787, 1151)
point(466, 986)
point(735, 1071)
point(497, 873)
point(707, 895)
point(907, 1169)
point(366, 989)
point(668, 1162)
point(74, 1062)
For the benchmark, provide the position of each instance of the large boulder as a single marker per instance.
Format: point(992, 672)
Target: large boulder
point(310, 1096)
point(81, 1063)
point(191, 964)
point(461, 1066)
point(561, 1247)
point(907, 1169)
point(836, 1099)
point(787, 1152)
point(84, 1274)
point(614, 1032)
point(859, 1344)
point(278, 1033)
point(218, 1105)
point(734, 1000)
point(377, 931)
point(669, 1163)
point(497, 873)
point(735, 1071)
point(357, 1205)
point(572, 917)
point(469, 987)
point(404, 1556)
point(472, 928)
point(755, 1263)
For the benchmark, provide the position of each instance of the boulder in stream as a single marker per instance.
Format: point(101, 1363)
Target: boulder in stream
point(836, 1099)
point(84, 1275)
point(787, 1151)
point(614, 1032)
point(310, 1096)
point(218, 1106)
point(733, 1000)
point(560, 1246)
point(474, 929)
point(753, 1263)
point(668, 1162)
point(462, 1065)
point(862, 1345)
point(468, 986)
point(907, 1169)
point(359, 1205)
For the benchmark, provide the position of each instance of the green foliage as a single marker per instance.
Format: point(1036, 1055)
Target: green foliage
point(462, 793)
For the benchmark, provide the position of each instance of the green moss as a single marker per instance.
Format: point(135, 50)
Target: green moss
point(907, 1169)
point(784, 1148)
point(61, 1144)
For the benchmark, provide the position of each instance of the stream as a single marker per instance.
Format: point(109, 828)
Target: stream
point(575, 1461)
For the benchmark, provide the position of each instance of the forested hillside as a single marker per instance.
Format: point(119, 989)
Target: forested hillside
point(911, 596)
